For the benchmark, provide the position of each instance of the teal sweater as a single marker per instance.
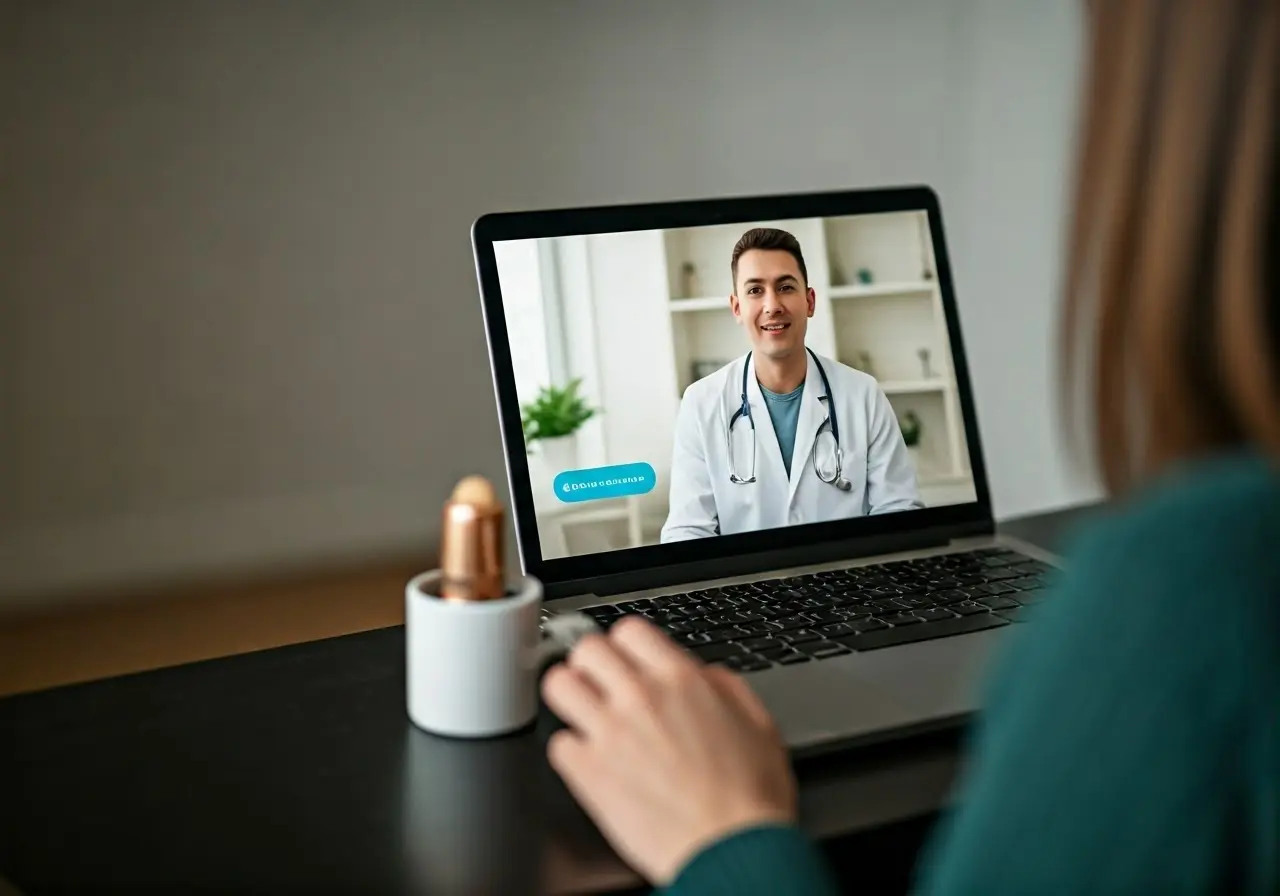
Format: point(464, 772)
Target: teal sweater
point(1130, 740)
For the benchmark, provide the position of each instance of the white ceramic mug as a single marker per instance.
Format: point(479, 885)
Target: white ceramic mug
point(471, 667)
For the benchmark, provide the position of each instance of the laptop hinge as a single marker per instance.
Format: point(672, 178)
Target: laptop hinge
point(761, 562)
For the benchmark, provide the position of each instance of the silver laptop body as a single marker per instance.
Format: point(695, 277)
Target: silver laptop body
point(929, 675)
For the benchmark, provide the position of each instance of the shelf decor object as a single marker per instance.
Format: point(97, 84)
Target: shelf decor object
point(926, 370)
point(691, 281)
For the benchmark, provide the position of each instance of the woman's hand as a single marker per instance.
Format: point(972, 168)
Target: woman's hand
point(665, 753)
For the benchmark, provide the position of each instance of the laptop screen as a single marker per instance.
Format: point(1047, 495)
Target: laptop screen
point(690, 383)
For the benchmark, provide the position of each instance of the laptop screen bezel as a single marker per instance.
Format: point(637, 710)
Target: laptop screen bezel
point(652, 566)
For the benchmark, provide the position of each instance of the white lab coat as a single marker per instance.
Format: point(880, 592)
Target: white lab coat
point(704, 502)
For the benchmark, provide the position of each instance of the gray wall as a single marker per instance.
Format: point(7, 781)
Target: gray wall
point(238, 317)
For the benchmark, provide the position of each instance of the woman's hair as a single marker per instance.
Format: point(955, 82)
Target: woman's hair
point(1171, 265)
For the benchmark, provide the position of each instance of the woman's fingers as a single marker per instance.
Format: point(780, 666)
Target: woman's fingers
point(608, 669)
point(650, 649)
point(735, 689)
point(571, 696)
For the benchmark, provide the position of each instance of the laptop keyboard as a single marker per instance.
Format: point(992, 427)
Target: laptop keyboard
point(778, 622)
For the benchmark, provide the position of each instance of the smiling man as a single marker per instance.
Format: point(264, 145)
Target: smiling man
point(782, 435)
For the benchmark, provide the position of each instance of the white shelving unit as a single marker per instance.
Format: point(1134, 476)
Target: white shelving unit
point(878, 308)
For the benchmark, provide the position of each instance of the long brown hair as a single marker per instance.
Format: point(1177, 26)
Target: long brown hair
point(1171, 271)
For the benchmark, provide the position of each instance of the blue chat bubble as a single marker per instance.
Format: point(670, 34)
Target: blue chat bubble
point(598, 483)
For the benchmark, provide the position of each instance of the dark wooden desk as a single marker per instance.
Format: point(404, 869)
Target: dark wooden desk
point(295, 769)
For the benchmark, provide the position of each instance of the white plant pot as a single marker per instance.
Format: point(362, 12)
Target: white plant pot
point(548, 459)
point(557, 455)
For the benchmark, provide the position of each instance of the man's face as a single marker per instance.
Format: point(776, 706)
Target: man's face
point(772, 301)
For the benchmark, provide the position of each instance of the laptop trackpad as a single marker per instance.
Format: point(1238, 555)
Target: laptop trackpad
point(820, 701)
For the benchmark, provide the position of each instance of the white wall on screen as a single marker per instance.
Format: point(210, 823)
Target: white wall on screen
point(520, 276)
point(578, 316)
point(629, 282)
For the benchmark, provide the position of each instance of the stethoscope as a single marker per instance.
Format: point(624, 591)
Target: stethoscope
point(830, 423)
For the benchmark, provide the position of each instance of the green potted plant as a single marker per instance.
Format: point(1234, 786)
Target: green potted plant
point(552, 420)
point(911, 426)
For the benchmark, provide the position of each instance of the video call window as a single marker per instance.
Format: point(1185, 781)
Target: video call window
point(629, 351)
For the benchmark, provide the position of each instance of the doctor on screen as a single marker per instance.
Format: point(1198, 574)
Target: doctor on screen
point(782, 436)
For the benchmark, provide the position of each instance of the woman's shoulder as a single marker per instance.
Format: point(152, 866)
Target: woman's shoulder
point(1184, 573)
point(1137, 705)
point(1215, 521)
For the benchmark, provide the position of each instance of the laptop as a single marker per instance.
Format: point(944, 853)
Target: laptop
point(864, 600)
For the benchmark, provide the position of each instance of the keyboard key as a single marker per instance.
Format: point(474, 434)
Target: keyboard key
point(924, 632)
point(837, 628)
point(790, 659)
point(867, 625)
point(759, 645)
point(713, 652)
point(747, 663)
point(949, 596)
point(901, 619)
point(793, 622)
point(1030, 598)
point(760, 629)
point(934, 614)
point(888, 591)
point(997, 588)
point(820, 650)
point(702, 608)
point(969, 608)
point(996, 603)
point(913, 601)
point(694, 639)
point(725, 634)
point(799, 636)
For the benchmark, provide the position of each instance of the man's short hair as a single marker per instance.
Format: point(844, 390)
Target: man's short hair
point(768, 238)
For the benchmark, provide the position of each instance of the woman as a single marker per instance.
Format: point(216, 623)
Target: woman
point(1141, 757)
